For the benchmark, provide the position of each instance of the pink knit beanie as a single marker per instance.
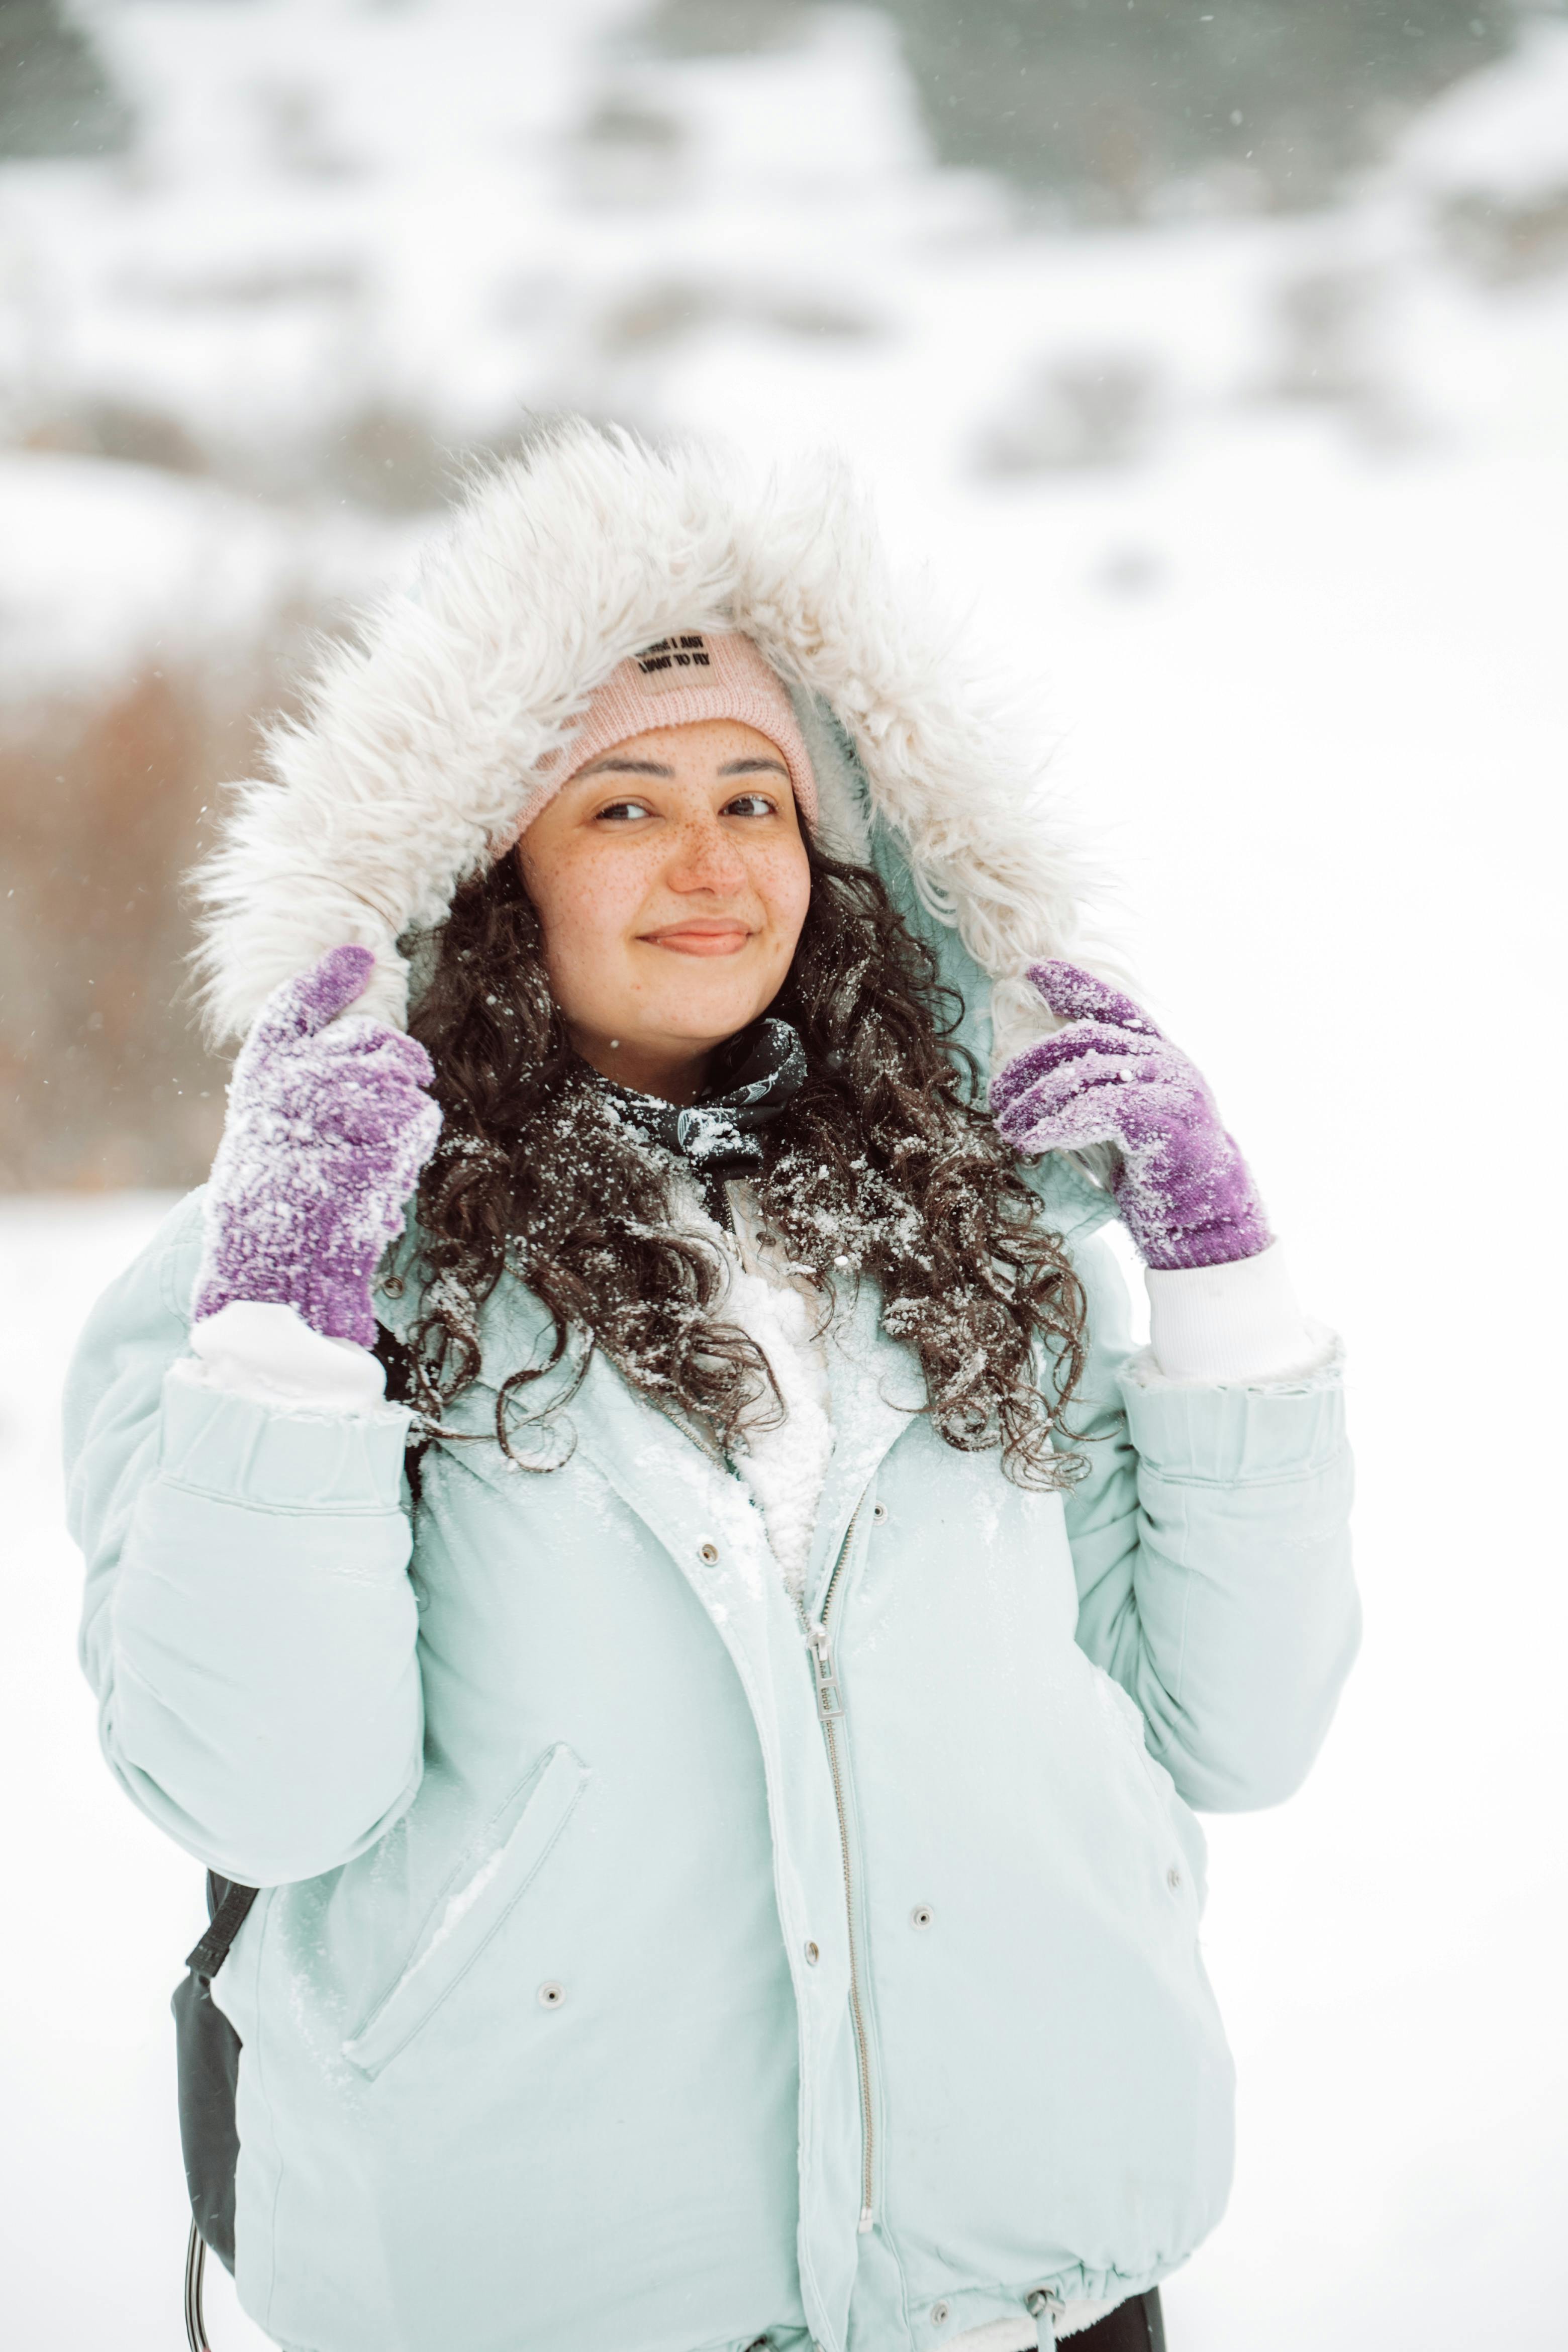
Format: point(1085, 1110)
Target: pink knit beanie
point(697, 675)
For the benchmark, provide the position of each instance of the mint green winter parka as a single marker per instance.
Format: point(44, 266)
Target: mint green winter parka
point(623, 1981)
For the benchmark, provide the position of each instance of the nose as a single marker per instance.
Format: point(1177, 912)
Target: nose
point(705, 859)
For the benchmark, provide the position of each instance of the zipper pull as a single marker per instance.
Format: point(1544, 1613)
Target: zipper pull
point(829, 1705)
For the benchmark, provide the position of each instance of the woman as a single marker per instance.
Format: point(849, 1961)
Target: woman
point(722, 1814)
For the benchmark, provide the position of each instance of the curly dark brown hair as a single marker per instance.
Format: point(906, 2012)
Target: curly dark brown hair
point(883, 1167)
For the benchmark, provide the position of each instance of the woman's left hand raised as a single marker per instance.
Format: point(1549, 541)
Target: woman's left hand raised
point(1183, 1188)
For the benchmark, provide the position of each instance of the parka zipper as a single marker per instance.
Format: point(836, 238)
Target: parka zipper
point(830, 1714)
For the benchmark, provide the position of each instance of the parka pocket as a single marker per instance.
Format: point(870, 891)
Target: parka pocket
point(470, 1913)
point(1168, 1812)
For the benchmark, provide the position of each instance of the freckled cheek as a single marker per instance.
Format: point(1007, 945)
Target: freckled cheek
point(586, 917)
point(781, 880)
point(590, 911)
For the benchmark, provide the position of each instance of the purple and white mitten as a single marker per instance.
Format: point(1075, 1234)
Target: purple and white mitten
point(1183, 1188)
point(328, 1126)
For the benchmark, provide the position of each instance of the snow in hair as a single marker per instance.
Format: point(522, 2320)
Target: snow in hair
point(409, 766)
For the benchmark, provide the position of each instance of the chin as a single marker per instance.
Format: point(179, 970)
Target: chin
point(704, 1036)
point(711, 1023)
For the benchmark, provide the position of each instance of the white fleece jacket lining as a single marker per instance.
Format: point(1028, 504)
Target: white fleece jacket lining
point(785, 1461)
point(1021, 2335)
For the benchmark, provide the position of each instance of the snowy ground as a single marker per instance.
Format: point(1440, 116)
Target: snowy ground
point(1293, 600)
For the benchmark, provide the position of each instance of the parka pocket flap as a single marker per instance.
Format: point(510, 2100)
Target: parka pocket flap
point(456, 1934)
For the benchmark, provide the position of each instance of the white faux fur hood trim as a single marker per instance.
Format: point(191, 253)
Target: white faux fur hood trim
point(404, 775)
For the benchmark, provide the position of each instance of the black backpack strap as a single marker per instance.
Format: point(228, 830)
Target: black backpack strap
point(228, 1907)
point(207, 2052)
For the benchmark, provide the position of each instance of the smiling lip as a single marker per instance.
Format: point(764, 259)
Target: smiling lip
point(699, 938)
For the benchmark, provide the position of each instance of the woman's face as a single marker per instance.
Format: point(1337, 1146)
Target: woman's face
point(672, 881)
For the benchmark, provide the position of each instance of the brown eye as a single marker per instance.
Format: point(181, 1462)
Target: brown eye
point(623, 812)
point(751, 805)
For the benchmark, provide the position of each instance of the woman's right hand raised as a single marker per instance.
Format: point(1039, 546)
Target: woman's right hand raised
point(328, 1128)
point(1108, 1075)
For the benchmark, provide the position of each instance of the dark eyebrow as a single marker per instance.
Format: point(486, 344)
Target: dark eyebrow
point(753, 768)
point(627, 768)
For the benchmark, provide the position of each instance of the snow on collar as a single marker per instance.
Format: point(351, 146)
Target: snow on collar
point(756, 1075)
point(406, 772)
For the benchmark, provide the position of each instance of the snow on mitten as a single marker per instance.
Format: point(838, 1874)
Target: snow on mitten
point(328, 1126)
point(1183, 1191)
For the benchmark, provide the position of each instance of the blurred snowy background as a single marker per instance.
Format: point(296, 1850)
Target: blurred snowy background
point(1219, 358)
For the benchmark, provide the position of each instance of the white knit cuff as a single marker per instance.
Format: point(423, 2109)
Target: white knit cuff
point(271, 1354)
point(1236, 1322)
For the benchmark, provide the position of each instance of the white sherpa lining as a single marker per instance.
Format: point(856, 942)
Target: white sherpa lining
point(406, 774)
